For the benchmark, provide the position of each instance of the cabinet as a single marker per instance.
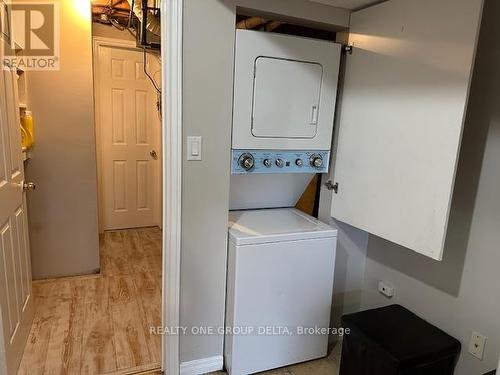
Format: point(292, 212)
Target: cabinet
point(401, 116)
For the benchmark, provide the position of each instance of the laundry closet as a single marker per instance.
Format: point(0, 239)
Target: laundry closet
point(398, 136)
point(378, 113)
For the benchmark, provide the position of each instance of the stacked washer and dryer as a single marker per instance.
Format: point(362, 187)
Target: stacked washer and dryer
point(280, 260)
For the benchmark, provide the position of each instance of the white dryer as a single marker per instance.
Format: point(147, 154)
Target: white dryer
point(280, 281)
point(285, 89)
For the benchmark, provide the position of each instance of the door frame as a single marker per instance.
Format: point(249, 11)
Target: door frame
point(98, 42)
point(171, 37)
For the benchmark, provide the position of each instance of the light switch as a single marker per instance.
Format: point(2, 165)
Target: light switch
point(193, 148)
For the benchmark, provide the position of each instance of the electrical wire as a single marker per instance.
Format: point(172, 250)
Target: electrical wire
point(147, 74)
point(130, 14)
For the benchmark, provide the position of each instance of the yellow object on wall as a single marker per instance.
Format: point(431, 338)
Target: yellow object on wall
point(27, 131)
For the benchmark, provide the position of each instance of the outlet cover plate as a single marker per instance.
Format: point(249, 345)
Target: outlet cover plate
point(476, 345)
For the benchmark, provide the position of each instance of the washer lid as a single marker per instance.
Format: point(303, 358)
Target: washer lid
point(275, 225)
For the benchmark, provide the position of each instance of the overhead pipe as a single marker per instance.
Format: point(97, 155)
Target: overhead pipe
point(152, 21)
point(250, 23)
point(254, 22)
point(273, 25)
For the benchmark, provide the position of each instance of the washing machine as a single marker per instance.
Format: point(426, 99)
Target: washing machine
point(280, 280)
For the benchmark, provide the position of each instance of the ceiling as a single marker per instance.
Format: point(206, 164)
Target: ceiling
point(348, 4)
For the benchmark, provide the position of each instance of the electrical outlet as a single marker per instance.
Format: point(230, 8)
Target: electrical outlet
point(476, 345)
point(386, 289)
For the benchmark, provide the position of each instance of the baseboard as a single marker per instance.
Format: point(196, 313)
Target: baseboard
point(202, 366)
point(153, 368)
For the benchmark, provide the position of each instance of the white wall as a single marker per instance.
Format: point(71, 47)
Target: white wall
point(461, 293)
point(207, 100)
point(63, 208)
point(207, 85)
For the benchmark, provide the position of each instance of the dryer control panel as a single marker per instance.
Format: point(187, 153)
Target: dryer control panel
point(272, 161)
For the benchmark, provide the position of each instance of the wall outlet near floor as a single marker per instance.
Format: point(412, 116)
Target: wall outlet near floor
point(386, 289)
point(476, 345)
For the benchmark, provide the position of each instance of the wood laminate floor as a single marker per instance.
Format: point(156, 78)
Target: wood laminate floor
point(100, 324)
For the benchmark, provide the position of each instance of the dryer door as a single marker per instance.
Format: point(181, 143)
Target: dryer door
point(286, 98)
point(285, 88)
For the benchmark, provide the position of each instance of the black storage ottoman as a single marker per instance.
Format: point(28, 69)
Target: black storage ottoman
point(392, 340)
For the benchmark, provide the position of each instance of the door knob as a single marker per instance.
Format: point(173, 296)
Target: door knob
point(29, 186)
point(153, 154)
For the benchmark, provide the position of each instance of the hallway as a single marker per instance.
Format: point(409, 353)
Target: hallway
point(99, 324)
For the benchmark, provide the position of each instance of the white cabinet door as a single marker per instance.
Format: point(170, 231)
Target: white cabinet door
point(403, 105)
point(16, 302)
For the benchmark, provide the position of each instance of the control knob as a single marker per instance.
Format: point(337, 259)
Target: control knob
point(299, 162)
point(280, 163)
point(316, 161)
point(268, 163)
point(246, 161)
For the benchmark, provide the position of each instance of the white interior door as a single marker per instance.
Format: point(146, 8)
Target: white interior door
point(403, 104)
point(15, 267)
point(129, 140)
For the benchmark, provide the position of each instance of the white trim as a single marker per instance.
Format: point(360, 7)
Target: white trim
point(98, 42)
point(171, 36)
point(202, 366)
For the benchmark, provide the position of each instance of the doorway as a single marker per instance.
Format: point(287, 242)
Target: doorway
point(99, 317)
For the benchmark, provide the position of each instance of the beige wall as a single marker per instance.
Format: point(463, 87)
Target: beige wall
point(207, 109)
point(63, 208)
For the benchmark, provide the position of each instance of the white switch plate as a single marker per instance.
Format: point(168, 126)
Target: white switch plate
point(386, 289)
point(193, 148)
point(477, 344)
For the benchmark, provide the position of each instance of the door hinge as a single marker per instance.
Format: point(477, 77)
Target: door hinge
point(347, 49)
point(331, 186)
point(336, 188)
